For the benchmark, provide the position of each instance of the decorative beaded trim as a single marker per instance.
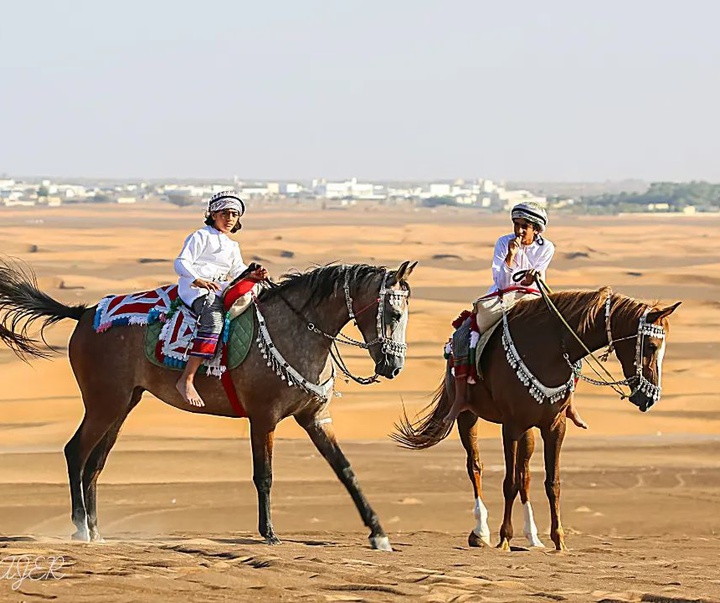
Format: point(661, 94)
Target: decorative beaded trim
point(538, 390)
point(283, 369)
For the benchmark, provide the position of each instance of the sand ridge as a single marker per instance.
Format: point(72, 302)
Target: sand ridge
point(176, 502)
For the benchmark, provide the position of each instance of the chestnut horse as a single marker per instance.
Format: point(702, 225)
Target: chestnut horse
point(550, 354)
point(303, 314)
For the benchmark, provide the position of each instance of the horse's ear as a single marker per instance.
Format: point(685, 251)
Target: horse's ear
point(404, 271)
point(657, 315)
point(400, 272)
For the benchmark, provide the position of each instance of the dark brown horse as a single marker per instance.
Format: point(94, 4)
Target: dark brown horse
point(112, 372)
point(544, 351)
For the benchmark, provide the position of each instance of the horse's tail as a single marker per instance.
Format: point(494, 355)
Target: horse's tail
point(428, 427)
point(21, 304)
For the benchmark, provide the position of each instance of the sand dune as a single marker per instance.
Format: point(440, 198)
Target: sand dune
point(641, 491)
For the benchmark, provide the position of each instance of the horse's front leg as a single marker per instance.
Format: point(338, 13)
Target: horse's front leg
point(262, 433)
point(319, 428)
point(553, 437)
point(511, 485)
point(526, 447)
point(467, 428)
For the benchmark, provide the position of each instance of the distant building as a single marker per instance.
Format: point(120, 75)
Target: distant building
point(349, 188)
point(291, 188)
point(439, 190)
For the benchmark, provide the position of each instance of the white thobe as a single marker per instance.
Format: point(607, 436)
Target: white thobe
point(210, 255)
point(534, 256)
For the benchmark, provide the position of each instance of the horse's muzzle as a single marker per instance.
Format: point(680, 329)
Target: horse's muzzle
point(391, 369)
point(643, 402)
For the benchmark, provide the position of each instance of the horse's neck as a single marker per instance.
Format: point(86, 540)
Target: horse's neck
point(592, 335)
point(330, 315)
point(306, 351)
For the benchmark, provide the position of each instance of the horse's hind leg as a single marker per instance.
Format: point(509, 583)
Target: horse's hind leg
point(467, 428)
point(526, 447)
point(99, 418)
point(96, 463)
point(510, 485)
point(321, 434)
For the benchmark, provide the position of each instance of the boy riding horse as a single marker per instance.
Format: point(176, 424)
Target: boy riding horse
point(523, 250)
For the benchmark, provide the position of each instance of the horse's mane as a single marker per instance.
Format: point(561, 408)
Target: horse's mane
point(323, 281)
point(581, 307)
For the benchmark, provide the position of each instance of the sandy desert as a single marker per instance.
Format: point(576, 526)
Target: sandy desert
point(177, 506)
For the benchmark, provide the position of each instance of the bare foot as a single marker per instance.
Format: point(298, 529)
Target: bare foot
point(189, 393)
point(459, 402)
point(575, 417)
point(457, 407)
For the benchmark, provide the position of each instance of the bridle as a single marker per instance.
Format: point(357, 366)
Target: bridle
point(641, 383)
point(395, 297)
point(637, 382)
point(390, 346)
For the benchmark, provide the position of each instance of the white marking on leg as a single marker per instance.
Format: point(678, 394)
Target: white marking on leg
point(481, 529)
point(381, 543)
point(530, 529)
point(83, 532)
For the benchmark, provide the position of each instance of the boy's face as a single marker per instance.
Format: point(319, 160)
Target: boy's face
point(225, 219)
point(524, 230)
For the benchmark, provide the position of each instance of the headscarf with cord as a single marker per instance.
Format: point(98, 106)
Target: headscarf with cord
point(226, 200)
point(532, 212)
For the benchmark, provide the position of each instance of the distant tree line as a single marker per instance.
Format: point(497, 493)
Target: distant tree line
point(436, 201)
point(677, 195)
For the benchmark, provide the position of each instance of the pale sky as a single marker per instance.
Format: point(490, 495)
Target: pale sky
point(563, 90)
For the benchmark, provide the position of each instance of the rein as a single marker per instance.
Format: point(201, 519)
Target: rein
point(612, 383)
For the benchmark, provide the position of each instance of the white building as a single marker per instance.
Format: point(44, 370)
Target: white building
point(348, 188)
point(291, 188)
point(439, 190)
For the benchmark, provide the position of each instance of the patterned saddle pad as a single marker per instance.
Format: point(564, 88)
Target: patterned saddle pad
point(170, 326)
point(230, 355)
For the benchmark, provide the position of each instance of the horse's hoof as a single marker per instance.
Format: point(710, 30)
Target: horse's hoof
point(504, 545)
point(476, 541)
point(272, 540)
point(380, 543)
point(97, 538)
point(81, 536)
point(534, 541)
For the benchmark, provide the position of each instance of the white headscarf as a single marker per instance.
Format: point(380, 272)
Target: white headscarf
point(226, 200)
point(532, 212)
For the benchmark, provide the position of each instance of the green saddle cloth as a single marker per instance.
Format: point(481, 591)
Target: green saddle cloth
point(239, 342)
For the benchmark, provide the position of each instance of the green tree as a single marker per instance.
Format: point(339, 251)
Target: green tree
point(181, 200)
